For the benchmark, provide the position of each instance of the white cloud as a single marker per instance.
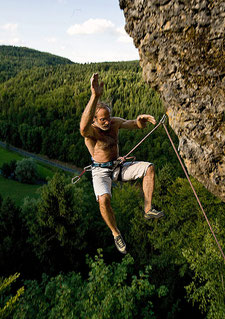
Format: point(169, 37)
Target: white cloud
point(11, 27)
point(123, 36)
point(91, 26)
point(94, 26)
point(13, 41)
point(9, 34)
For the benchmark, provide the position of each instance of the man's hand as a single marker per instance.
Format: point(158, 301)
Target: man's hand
point(143, 119)
point(96, 89)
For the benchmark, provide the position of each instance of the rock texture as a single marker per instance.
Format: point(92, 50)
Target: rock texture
point(182, 54)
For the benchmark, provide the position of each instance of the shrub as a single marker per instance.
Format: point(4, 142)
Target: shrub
point(8, 169)
point(26, 171)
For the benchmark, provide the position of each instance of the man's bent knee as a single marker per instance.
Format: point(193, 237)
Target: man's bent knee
point(150, 170)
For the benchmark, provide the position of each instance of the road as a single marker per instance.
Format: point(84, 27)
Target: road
point(64, 166)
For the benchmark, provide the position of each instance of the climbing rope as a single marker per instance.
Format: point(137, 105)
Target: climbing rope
point(124, 158)
point(188, 178)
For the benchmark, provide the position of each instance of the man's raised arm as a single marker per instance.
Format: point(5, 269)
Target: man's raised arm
point(89, 111)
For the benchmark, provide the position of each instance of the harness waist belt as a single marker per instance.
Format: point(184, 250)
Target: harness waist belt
point(104, 165)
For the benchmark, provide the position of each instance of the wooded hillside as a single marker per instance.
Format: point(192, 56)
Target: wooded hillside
point(15, 59)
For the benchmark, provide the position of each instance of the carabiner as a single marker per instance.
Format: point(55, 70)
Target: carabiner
point(163, 119)
point(75, 179)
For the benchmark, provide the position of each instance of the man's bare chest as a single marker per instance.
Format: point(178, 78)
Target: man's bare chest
point(106, 139)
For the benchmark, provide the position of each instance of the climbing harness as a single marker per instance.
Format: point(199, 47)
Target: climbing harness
point(104, 165)
point(89, 169)
point(122, 159)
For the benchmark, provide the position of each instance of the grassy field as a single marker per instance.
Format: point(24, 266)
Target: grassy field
point(15, 190)
point(7, 156)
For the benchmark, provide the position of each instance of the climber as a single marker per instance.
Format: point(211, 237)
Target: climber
point(100, 132)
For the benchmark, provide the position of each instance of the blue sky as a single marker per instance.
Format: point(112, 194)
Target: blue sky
point(81, 30)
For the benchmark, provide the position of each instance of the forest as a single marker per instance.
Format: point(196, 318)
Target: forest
point(57, 256)
point(15, 59)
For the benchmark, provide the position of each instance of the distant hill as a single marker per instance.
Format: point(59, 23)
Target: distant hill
point(15, 59)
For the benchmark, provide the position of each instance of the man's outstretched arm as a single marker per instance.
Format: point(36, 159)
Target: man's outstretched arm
point(140, 122)
point(89, 111)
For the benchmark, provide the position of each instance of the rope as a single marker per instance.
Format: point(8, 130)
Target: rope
point(144, 138)
point(194, 191)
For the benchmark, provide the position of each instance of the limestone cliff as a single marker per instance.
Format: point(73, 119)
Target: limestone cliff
point(182, 54)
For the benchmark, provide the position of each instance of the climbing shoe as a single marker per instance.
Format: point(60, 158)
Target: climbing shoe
point(120, 244)
point(153, 213)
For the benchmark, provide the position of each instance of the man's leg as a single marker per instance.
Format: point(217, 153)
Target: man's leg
point(109, 217)
point(148, 187)
point(145, 170)
point(107, 213)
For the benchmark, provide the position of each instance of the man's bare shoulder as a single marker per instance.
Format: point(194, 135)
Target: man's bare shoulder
point(117, 121)
point(126, 124)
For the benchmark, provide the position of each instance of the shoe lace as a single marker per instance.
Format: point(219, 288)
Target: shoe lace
point(120, 241)
point(153, 210)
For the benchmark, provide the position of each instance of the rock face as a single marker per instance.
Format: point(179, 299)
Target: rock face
point(182, 54)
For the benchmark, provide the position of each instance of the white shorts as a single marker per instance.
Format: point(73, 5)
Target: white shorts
point(102, 177)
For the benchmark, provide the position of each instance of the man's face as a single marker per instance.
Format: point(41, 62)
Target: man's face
point(102, 119)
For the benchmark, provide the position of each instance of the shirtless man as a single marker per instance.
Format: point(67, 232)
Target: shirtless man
point(100, 132)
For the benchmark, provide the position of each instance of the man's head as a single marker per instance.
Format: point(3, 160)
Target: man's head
point(102, 118)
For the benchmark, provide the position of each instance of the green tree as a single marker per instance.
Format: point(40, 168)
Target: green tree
point(207, 286)
point(10, 301)
point(110, 291)
point(60, 223)
point(11, 237)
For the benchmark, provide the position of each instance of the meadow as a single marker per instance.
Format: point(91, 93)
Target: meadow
point(18, 191)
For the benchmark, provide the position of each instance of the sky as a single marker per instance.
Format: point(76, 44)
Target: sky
point(83, 31)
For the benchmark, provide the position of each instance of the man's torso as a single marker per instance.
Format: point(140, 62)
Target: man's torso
point(103, 145)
